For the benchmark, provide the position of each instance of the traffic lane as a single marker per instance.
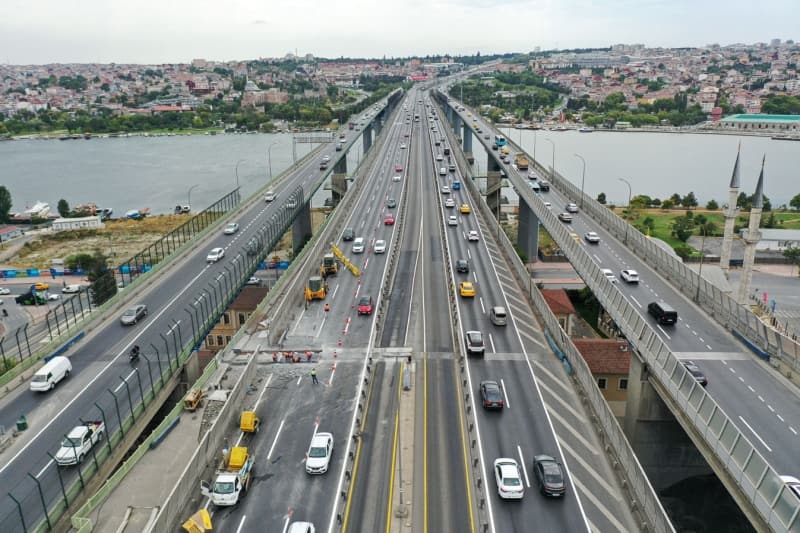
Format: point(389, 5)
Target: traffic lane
point(446, 478)
point(294, 407)
point(521, 431)
point(770, 421)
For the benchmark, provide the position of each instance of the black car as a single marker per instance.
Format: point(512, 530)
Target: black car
point(462, 266)
point(348, 234)
point(549, 475)
point(544, 185)
point(696, 373)
point(491, 395)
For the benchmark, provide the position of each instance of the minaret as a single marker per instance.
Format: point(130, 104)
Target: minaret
point(730, 216)
point(751, 238)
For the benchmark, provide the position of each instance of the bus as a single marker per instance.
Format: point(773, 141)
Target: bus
point(500, 140)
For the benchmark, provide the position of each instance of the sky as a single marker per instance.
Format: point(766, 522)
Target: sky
point(177, 31)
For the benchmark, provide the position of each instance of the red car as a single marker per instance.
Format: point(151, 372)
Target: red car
point(398, 168)
point(389, 220)
point(365, 305)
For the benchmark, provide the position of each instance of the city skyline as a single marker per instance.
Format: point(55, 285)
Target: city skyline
point(152, 33)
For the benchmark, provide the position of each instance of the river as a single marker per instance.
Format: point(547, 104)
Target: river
point(128, 173)
point(157, 172)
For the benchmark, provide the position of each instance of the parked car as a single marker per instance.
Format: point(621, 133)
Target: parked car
point(629, 276)
point(132, 315)
point(253, 280)
point(491, 395)
point(549, 475)
point(319, 453)
point(215, 255)
point(508, 478)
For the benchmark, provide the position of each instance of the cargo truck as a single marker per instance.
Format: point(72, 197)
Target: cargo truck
point(233, 478)
point(521, 161)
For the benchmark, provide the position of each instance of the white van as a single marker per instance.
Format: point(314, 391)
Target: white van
point(51, 373)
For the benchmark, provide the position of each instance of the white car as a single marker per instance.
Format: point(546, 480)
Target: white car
point(70, 289)
point(403, 146)
point(301, 527)
point(4, 290)
point(319, 453)
point(358, 245)
point(215, 255)
point(231, 228)
point(609, 274)
point(629, 276)
point(449, 203)
point(397, 177)
point(445, 189)
point(509, 481)
point(380, 246)
point(472, 235)
point(253, 280)
point(439, 157)
point(452, 221)
point(548, 205)
point(269, 196)
point(52, 297)
point(571, 207)
point(592, 237)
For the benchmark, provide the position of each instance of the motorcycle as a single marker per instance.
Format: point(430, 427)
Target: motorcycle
point(134, 355)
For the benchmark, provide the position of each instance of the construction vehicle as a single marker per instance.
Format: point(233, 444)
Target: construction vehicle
point(193, 400)
point(505, 150)
point(316, 289)
point(521, 161)
point(329, 267)
point(199, 522)
point(346, 262)
point(233, 478)
point(249, 422)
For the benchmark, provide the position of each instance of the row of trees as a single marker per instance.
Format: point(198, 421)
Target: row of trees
point(689, 201)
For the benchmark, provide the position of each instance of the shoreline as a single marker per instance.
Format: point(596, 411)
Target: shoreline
point(696, 131)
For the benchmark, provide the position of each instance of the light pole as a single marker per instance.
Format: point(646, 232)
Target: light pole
point(237, 171)
point(583, 175)
point(535, 132)
point(269, 158)
point(189, 195)
point(628, 183)
point(702, 254)
point(553, 171)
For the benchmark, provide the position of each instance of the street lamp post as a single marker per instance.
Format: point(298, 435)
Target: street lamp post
point(553, 171)
point(702, 254)
point(269, 158)
point(237, 171)
point(189, 195)
point(583, 176)
point(629, 207)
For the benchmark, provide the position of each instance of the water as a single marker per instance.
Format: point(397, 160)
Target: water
point(157, 172)
point(137, 172)
point(660, 164)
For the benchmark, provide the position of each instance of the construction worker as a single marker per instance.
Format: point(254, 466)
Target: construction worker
point(314, 379)
point(308, 355)
point(274, 357)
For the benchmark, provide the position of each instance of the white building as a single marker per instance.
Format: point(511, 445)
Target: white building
point(66, 224)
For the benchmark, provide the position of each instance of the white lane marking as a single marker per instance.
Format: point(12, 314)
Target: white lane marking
point(780, 418)
point(598, 259)
point(286, 523)
point(333, 373)
point(760, 398)
point(709, 347)
point(522, 466)
point(333, 293)
point(772, 410)
point(732, 370)
point(299, 378)
point(792, 430)
point(664, 332)
point(44, 468)
point(483, 309)
point(505, 394)
point(635, 301)
point(751, 388)
point(754, 433)
point(491, 341)
point(241, 524)
point(275, 440)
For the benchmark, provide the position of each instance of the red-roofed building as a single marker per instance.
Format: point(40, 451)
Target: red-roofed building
point(609, 361)
point(558, 302)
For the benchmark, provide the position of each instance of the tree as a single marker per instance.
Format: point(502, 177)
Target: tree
point(641, 201)
point(667, 204)
point(689, 200)
point(683, 227)
point(795, 202)
point(63, 208)
point(602, 198)
point(712, 205)
point(676, 199)
point(793, 254)
point(5, 204)
point(656, 202)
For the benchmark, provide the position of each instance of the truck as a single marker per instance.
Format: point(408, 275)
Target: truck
point(521, 161)
point(328, 266)
point(79, 441)
point(233, 478)
point(32, 297)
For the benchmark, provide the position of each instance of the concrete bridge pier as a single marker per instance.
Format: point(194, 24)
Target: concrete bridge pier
point(339, 181)
point(366, 137)
point(494, 184)
point(528, 232)
point(301, 227)
point(467, 136)
point(457, 125)
point(663, 448)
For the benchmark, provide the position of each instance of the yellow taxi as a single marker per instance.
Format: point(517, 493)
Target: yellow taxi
point(467, 289)
point(41, 286)
point(575, 237)
point(465, 209)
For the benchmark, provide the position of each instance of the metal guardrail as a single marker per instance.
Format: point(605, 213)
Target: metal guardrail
point(773, 502)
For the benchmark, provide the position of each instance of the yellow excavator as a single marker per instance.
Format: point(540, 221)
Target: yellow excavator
point(329, 267)
point(316, 289)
